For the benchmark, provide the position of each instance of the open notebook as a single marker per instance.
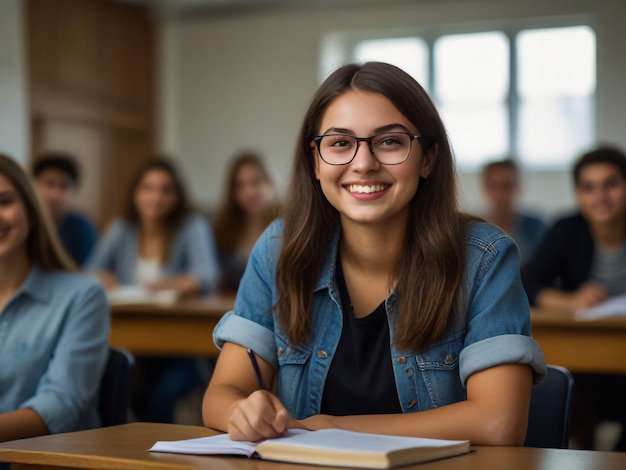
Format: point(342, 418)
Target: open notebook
point(326, 447)
point(614, 307)
point(128, 295)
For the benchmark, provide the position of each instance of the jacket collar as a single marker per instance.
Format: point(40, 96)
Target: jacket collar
point(326, 278)
point(36, 285)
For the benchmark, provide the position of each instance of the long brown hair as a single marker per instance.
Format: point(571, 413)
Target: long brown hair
point(231, 217)
point(179, 213)
point(430, 268)
point(42, 243)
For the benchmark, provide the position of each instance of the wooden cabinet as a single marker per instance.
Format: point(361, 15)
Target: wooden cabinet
point(91, 68)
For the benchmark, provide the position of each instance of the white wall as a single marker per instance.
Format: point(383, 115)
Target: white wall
point(244, 82)
point(13, 107)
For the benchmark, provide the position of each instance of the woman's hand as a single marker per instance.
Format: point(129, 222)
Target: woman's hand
point(588, 295)
point(317, 422)
point(184, 284)
point(107, 279)
point(259, 416)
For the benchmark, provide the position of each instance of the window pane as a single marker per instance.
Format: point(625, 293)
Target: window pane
point(557, 61)
point(556, 84)
point(477, 134)
point(553, 132)
point(472, 68)
point(472, 83)
point(410, 54)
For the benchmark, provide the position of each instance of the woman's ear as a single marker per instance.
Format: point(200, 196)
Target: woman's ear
point(429, 158)
point(316, 161)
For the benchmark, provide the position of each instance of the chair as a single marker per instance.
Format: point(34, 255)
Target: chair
point(115, 387)
point(550, 410)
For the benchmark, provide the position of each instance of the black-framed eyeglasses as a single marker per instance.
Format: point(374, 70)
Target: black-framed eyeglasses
point(388, 148)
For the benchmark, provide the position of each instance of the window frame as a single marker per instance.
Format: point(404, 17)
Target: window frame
point(343, 46)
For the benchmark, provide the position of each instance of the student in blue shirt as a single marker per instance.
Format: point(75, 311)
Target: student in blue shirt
point(375, 304)
point(54, 323)
point(500, 184)
point(249, 206)
point(56, 179)
point(162, 245)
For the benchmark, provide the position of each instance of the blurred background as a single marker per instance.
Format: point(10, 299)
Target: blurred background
point(115, 82)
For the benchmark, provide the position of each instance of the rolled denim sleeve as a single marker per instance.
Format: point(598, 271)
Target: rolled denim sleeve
point(251, 323)
point(68, 388)
point(498, 315)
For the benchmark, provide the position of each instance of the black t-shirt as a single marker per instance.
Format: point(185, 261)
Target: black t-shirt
point(360, 379)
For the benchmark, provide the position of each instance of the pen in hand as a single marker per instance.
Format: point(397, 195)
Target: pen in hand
point(257, 371)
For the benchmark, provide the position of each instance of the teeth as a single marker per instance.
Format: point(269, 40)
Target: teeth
point(373, 188)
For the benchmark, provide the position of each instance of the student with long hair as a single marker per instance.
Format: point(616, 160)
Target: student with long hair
point(375, 304)
point(54, 323)
point(159, 244)
point(248, 207)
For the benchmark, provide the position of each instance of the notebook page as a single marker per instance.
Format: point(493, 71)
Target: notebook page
point(336, 439)
point(214, 445)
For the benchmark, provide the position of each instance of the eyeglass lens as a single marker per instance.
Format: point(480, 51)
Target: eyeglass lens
point(389, 148)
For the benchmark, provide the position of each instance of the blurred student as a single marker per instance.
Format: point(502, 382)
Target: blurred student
point(56, 179)
point(160, 244)
point(581, 263)
point(54, 323)
point(501, 188)
point(247, 209)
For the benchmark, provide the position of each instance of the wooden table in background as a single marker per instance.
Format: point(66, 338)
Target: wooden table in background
point(581, 345)
point(184, 328)
point(125, 447)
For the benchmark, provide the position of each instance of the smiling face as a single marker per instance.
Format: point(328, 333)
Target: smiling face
point(365, 191)
point(601, 193)
point(252, 191)
point(14, 226)
point(155, 196)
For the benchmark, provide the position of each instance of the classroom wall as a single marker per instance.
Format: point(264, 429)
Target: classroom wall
point(13, 104)
point(244, 82)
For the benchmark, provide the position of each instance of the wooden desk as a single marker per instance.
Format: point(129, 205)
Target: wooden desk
point(581, 345)
point(184, 328)
point(125, 447)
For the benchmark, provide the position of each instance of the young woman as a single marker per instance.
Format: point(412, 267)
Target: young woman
point(376, 305)
point(580, 263)
point(248, 208)
point(160, 244)
point(54, 323)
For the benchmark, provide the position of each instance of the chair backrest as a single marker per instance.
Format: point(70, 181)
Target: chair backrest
point(114, 397)
point(550, 410)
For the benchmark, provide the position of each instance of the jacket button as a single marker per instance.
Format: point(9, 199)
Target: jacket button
point(322, 354)
point(401, 360)
point(449, 359)
point(280, 351)
point(412, 403)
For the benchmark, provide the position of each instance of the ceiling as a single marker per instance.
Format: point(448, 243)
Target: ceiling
point(193, 8)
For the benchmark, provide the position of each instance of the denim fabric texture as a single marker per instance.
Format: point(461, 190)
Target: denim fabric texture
point(491, 329)
point(54, 343)
point(193, 252)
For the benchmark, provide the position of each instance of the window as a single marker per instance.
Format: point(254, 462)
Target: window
point(524, 93)
point(410, 54)
point(556, 86)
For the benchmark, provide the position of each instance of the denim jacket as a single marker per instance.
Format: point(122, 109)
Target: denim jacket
point(491, 329)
